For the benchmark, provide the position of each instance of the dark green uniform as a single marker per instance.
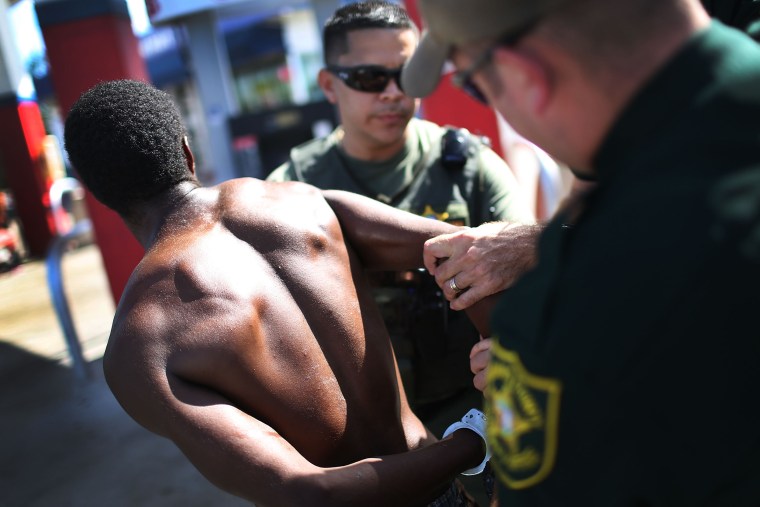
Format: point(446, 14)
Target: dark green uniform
point(741, 14)
point(627, 370)
point(431, 342)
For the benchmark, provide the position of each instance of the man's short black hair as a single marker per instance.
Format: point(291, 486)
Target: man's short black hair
point(124, 139)
point(359, 16)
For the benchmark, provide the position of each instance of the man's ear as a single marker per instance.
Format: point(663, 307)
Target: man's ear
point(327, 83)
point(526, 77)
point(188, 155)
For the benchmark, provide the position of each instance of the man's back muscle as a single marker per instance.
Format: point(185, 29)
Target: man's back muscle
point(264, 313)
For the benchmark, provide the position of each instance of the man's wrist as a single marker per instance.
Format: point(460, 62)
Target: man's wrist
point(474, 421)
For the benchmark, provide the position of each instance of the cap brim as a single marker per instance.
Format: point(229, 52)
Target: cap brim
point(422, 71)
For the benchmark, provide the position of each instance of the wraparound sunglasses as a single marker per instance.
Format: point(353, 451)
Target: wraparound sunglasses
point(463, 79)
point(366, 78)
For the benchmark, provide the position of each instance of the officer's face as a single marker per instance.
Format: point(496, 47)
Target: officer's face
point(505, 84)
point(374, 122)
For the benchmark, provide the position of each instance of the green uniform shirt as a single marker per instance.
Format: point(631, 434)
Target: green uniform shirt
point(432, 344)
point(414, 180)
point(627, 366)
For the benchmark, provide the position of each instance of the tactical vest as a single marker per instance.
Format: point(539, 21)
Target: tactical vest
point(431, 342)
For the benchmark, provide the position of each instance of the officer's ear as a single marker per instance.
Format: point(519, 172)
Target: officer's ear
point(326, 81)
point(526, 77)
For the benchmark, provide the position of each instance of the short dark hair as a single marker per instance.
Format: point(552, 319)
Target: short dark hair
point(359, 16)
point(124, 139)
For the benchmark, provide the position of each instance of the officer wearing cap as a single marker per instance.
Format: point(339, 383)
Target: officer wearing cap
point(623, 367)
point(382, 152)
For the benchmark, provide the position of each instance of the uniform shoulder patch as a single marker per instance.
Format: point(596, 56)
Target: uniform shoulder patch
point(522, 411)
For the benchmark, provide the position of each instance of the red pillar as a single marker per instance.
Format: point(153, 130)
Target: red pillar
point(89, 41)
point(21, 135)
point(449, 106)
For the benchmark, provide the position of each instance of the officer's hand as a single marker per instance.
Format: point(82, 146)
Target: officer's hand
point(480, 355)
point(481, 260)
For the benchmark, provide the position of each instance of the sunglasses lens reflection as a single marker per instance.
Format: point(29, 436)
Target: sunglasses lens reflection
point(372, 80)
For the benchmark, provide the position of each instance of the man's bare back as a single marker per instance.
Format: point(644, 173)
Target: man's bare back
point(261, 303)
point(247, 334)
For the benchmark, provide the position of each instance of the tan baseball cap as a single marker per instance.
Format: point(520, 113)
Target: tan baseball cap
point(452, 23)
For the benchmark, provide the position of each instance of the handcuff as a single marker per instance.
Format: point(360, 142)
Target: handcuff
point(474, 420)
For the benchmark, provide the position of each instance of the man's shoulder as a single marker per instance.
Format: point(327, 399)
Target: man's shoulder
point(137, 344)
point(238, 193)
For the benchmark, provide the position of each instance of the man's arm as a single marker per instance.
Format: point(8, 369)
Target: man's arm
point(384, 237)
point(485, 259)
point(248, 458)
point(390, 239)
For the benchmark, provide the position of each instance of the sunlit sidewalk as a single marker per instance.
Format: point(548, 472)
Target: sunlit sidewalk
point(27, 318)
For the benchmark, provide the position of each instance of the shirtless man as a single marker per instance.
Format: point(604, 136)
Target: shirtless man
point(247, 334)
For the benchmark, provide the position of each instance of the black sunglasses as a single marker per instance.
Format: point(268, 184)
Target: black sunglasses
point(463, 79)
point(366, 78)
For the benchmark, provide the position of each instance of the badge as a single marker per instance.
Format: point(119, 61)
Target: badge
point(522, 410)
point(429, 212)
